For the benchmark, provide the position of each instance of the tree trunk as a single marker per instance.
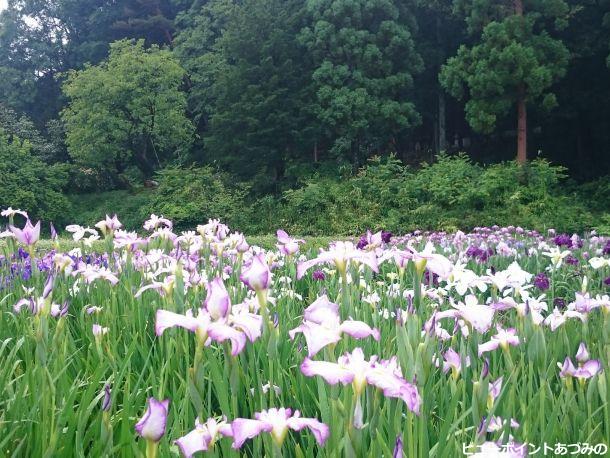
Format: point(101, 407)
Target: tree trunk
point(140, 153)
point(521, 108)
point(442, 132)
point(521, 128)
point(441, 140)
point(518, 7)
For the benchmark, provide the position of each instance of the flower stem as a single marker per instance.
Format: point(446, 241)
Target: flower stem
point(151, 449)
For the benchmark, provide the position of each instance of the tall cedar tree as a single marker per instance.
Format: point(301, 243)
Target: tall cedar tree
point(439, 33)
point(365, 60)
point(514, 62)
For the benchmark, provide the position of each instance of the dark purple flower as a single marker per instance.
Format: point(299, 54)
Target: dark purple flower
point(479, 254)
point(363, 242)
point(541, 281)
point(607, 281)
point(571, 260)
point(485, 369)
point(562, 240)
point(559, 302)
point(318, 275)
point(48, 286)
point(276, 320)
point(606, 249)
point(473, 251)
point(386, 236)
point(430, 277)
point(397, 448)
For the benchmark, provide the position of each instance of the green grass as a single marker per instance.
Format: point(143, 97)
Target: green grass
point(267, 242)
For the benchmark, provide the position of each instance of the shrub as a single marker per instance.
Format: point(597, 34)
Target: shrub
point(452, 193)
point(190, 196)
point(29, 184)
point(131, 207)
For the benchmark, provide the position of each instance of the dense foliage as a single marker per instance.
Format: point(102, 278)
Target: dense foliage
point(451, 193)
point(127, 111)
point(286, 101)
point(28, 183)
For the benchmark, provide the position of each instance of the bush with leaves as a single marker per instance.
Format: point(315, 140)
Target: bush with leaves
point(452, 193)
point(28, 183)
point(190, 196)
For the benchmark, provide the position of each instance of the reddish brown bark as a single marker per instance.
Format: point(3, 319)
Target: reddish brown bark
point(521, 108)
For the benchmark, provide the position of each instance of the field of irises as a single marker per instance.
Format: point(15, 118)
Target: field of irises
point(158, 344)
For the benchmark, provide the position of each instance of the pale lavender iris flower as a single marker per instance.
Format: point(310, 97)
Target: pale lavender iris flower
point(217, 302)
point(29, 235)
point(582, 355)
point(157, 221)
point(286, 244)
point(256, 275)
point(503, 339)
point(217, 320)
point(204, 436)
point(152, 425)
point(353, 368)
point(322, 326)
point(109, 225)
point(10, 212)
point(277, 422)
point(428, 259)
point(479, 316)
point(586, 368)
point(340, 255)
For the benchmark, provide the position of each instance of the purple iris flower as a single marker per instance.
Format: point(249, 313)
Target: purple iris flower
point(541, 281)
point(318, 275)
point(563, 240)
point(106, 403)
point(559, 302)
point(386, 236)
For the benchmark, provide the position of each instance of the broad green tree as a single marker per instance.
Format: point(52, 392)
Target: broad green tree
point(515, 60)
point(365, 60)
point(129, 110)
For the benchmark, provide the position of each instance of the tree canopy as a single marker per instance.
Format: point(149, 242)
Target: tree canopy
point(273, 91)
point(127, 111)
